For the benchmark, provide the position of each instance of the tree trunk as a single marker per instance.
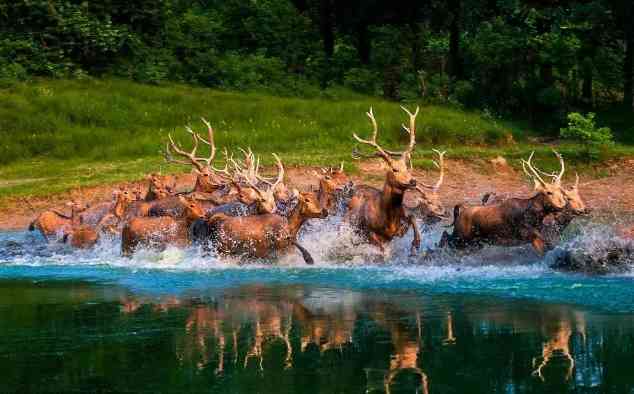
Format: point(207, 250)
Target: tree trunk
point(455, 62)
point(628, 66)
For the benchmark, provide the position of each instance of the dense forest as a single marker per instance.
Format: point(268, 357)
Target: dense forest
point(533, 59)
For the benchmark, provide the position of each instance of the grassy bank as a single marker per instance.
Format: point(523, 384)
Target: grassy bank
point(58, 134)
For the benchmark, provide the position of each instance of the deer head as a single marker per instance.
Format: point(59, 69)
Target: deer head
point(209, 178)
point(193, 210)
point(309, 206)
point(264, 198)
point(575, 202)
point(430, 203)
point(552, 191)
point(399, 163)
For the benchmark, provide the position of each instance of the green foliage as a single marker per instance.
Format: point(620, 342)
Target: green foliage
point(362, 80)
point(583, 129)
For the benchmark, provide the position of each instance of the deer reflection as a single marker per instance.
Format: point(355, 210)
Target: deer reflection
point(556, 350)
point(327, 331)
point(407, 346)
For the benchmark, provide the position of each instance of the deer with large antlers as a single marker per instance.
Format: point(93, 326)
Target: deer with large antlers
point(513, 221)
point(379, 215)
point(554, 223)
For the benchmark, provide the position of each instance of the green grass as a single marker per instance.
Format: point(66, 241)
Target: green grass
point(60, 134)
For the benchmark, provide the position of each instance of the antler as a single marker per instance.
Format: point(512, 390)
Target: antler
point(172, 147)
point(411, 130)
point(557, 179)
point(535, 173)
point(440, 164)
point(385, 154)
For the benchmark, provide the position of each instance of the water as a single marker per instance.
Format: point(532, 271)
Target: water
point(177, 321)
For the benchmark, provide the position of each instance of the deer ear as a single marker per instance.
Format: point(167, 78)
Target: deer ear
point(537, 185)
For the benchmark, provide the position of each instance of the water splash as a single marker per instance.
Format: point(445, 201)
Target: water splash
point(342, 260)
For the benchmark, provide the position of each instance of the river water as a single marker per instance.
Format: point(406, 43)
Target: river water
point(179, 321)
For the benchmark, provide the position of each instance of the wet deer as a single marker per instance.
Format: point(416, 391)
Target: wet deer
point(53, 223)
point(379, 215)
point(161, 231)
point(514, 221)
point(334, 188)
point(81, 235)
point(266, 235)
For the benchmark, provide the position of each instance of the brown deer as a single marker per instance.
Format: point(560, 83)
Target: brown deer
point(426, 202)
point(334, 185)
point(52, 223)
point(379, 215)
point(160, 231)
point(84, 236)
point(554, 223)
point(264, 235)
point(513, 221)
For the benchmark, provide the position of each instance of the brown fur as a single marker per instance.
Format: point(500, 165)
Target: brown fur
point(332, 186)
point(263, 235)
point(160, 231)
point(511, 222)
point(52, 223)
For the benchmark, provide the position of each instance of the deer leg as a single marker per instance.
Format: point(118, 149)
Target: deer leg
point(308, 259)
point(376, 240)
point(538, 242)
point(416, 240)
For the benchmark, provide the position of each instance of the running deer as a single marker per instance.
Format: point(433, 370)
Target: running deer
point(334, 185)
point(162, 230)
point(53, 223)
point(83, 236)
point(554, 223)
point(513, 221)
point(379, 215)
point(264, 235)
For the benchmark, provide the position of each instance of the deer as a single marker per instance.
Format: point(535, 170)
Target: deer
point(334, 188)
point(380, 215)
point(513, 221)
point(83, 236)
point(162, 230)
point(426, 202)
point(53, 223)
point(265, 235)
point(554, 223)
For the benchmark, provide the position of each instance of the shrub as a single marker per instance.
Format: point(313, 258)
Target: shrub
point(584, 130)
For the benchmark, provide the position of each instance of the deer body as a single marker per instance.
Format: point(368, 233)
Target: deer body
point(55, 224)
point(264, 235)
point(160, 231)
point(513, 221)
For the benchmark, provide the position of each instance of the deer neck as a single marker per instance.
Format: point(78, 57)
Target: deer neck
point(391, 198)
point(119, 208)
point(295, 220)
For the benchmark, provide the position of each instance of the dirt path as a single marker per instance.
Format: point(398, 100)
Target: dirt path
point(464, 182)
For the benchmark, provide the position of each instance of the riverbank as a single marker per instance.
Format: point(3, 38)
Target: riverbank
point(606, 188)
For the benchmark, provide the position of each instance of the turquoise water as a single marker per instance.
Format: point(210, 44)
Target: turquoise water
point(177, 321)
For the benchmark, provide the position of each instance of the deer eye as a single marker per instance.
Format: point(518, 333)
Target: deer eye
point(550, 193)
point(395, 169)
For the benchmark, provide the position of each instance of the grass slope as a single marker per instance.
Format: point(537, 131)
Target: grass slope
point(60, 134)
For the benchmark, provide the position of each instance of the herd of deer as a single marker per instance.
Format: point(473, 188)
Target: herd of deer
point(237, 211)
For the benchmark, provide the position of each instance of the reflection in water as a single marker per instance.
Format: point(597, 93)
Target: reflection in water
point(279, 339)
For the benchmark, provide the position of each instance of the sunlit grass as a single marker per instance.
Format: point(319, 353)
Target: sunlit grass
point(57, 134)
